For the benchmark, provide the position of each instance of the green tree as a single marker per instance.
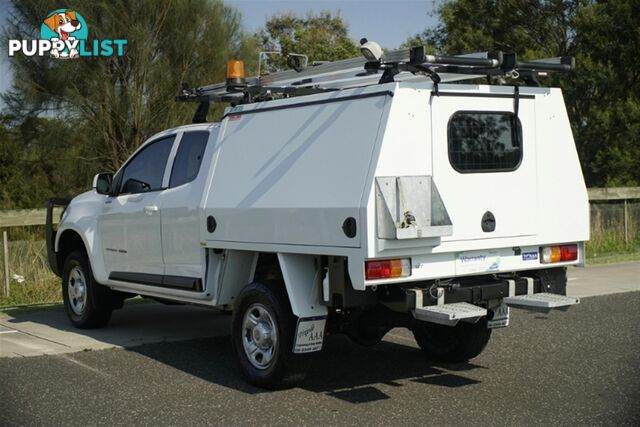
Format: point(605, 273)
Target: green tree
point(604, 91)
point(322, 37)
point(527, 27)
point(124, 100)
point(602, 94)
point(38, 161)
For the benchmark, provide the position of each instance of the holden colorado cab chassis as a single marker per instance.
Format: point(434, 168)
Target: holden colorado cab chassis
point(405, 203)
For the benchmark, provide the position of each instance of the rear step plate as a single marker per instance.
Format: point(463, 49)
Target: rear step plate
point(450, 314)
point(541, 302)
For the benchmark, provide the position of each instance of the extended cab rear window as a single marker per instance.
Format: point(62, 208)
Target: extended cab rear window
point(482, 141)
point(188, 158)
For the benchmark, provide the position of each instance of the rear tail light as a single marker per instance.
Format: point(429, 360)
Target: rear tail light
point(388, 268)
point(563, 253)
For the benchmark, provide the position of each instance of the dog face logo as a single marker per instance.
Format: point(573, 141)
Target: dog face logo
point(64, 25)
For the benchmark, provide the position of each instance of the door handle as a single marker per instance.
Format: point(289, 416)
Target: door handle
point(149, 210)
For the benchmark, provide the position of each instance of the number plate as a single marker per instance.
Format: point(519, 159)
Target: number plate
point(500, 317)
point(309, 334)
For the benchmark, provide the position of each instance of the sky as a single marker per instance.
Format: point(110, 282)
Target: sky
point(386, 21)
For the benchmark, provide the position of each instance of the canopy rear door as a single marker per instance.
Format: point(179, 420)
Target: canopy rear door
point(484, 163)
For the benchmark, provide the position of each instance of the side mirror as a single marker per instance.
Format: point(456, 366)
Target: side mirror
point(102, 183)
point(135, 186)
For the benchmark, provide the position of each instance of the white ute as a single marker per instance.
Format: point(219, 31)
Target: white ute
point(350, 197)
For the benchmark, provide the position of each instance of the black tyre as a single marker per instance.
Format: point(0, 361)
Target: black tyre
point(452, 344)
point(262, 332)
point(79, 290)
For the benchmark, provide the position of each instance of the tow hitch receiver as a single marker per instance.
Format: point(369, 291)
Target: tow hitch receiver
point(543, 302)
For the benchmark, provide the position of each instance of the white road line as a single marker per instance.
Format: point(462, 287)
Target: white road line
point(8, 332)
point(92, 369)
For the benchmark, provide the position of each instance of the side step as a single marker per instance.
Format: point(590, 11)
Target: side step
point(450, 314)
point(541, 302)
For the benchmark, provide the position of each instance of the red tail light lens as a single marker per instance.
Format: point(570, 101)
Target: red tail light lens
point(388, 268)
point(569, 253)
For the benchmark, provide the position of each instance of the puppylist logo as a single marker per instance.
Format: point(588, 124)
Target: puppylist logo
point(64, 34)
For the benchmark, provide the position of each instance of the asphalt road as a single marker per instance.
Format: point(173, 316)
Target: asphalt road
point(580, 367)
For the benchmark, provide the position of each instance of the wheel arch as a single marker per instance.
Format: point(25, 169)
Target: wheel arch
point(69, 241)
point(302, 275)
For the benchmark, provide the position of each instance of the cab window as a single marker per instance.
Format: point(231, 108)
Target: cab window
point(144, 172)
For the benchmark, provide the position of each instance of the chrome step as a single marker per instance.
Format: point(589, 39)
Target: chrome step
point(541, 302)
point(450, 314)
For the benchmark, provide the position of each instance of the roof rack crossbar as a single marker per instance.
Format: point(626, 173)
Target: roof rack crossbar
point(354, 72)
point(547, 66)
point(452, 60)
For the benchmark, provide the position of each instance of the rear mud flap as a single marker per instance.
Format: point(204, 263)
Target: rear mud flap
point(309, 334)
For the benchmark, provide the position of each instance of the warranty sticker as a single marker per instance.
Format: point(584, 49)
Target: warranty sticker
point(477, 262)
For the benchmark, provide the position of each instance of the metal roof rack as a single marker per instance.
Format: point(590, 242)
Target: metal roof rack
point(398, 65)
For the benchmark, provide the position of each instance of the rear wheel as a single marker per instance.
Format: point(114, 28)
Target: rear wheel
point(452, 344)
point(78, 293)
point(263, 329)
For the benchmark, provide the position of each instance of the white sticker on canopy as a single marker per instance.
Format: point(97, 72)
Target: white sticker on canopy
point(477, 262)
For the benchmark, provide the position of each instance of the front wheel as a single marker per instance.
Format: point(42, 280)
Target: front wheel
point(452, 344)
point(263, 329)
point(78, 293)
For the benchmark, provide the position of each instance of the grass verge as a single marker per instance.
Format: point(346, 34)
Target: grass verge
point(31, 281)
point(613, 258)
point(609, 246)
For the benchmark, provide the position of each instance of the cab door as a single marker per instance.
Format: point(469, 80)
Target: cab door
point(130, 225)
point(182, 252)
point(484, 163)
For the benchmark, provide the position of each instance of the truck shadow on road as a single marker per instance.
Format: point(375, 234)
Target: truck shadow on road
point(343, 370)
